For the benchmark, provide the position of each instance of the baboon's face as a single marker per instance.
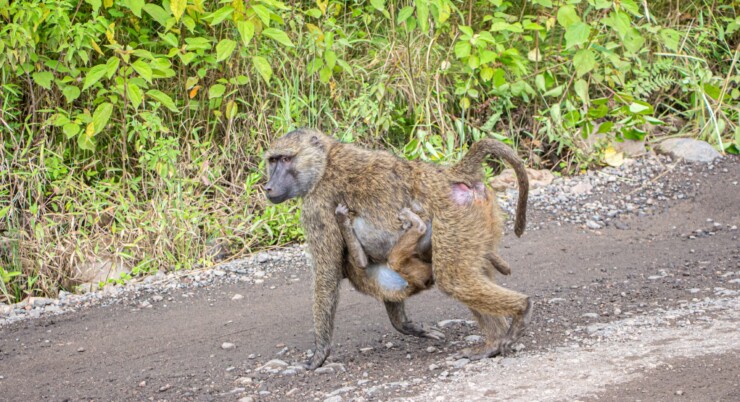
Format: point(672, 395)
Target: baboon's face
point(282, 184)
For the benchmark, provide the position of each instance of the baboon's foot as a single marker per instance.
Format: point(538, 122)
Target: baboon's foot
point(422, 331)
point(318, 358)
point(412, 220)
point(482, 352)
point(518, 324)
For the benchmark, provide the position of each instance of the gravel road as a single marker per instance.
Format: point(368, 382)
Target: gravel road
point(635, 274)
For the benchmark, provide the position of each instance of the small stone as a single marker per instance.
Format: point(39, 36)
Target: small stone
point(165, 387)
point(389, 345)
point(263, 258)
point(679, 392)
point(460, 363)
point(274, 365)
point(556, 300)
point(366, 350)
point(591, 315)
point(335, 398)
point(237, 297)
point(341, 391)
point(433, 367)
point(80, 349)
point(694, 290)
point(247, 399)
point(431, 349)
point(447, 323)
point(157, 298)
point(227, 346)
point(617, 311)
point(688, 149)
point(581, 188)
point(243, 381)
point(592, 225)
point(142, 384)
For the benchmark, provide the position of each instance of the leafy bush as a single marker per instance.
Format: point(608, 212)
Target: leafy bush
point(134, 130)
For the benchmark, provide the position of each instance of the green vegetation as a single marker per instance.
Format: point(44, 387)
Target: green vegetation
point(133, 129)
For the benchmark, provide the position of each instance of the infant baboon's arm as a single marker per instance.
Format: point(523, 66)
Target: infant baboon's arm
point(356, 254)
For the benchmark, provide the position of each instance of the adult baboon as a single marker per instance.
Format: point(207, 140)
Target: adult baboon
point(376, 185)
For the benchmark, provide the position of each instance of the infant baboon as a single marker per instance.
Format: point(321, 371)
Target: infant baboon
point(376, 185)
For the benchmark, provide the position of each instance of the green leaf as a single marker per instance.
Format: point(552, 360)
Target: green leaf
point(135, 6)
point(178, 8)
point(101, 116)
point(567, 16)
point(86, 141)
point(157, 13)
point(143, 69)
point(404, 14)
point(263, 13)
point(71, 93)
point(246, 31)
point(263, 67)
point(619, 22)
point(555, 92)
point(163, 98)
point(216, 91)
point(581, 88)
point(278, 35)
point(70, 130)
point(134, 94)
point(640, 108)
point(462, 49)
point(95, 4)
point(94, 75)
point(671, 38)
point(378, 4)
point(331, 58)
point(633, 41)
point(325, 74)
point(584, 61)
point(224, 48)
point(422, 14)
point(112, 66)
point(219, 15)
point(43, 79)
point(577, 34)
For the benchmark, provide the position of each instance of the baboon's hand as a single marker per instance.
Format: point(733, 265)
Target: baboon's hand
point(318, 358)
point(341, 210)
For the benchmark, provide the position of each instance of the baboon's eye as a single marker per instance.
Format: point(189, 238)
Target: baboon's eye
point(286, 159)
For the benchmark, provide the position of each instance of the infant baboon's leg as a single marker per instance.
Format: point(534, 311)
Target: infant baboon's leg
point(403, 257)
point(397, 315)
point(356, 252)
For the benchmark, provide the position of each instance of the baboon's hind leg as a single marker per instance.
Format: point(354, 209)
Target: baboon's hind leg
point(397, 315)
point(481, 294)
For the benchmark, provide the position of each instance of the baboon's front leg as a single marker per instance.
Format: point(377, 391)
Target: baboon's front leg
point(397, 314)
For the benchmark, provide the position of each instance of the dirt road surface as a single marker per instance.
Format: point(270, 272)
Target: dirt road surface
point(647, 309)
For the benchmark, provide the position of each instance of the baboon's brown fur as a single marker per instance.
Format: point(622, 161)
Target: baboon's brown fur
point(375, 184)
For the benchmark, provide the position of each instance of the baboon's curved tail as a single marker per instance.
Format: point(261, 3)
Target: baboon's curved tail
point(470, 166)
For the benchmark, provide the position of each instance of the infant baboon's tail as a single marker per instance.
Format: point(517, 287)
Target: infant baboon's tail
point(470, 166)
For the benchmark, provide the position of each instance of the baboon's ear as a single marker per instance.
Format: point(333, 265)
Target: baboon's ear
point(315, 141)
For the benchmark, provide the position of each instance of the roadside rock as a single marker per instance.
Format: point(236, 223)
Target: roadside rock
point(688, 149)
